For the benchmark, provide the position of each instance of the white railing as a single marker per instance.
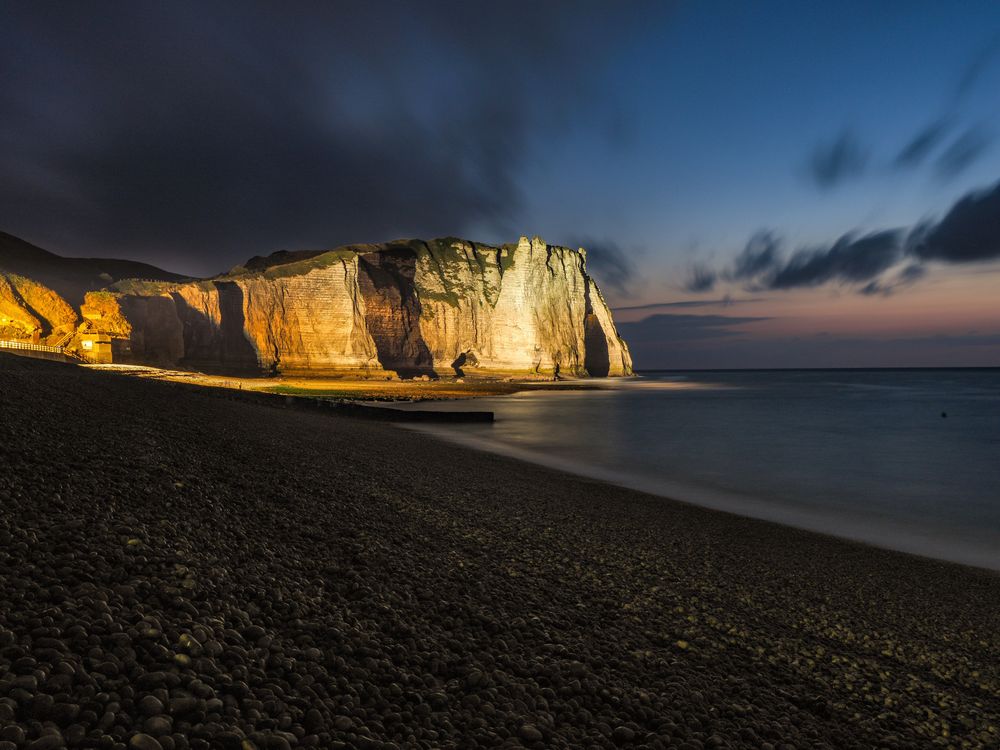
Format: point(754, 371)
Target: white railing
point(27, 346)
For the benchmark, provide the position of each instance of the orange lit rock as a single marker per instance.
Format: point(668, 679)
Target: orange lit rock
point(413, 308)
point(32, 310)
point(16, 322)
point(103, 312)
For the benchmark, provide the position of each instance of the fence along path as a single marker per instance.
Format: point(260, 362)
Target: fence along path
point(28, 346)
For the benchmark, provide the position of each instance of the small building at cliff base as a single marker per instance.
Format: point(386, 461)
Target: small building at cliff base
point(96, 348)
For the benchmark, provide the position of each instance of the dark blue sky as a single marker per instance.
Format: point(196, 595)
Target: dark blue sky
point(731, 103)
point(662, 136)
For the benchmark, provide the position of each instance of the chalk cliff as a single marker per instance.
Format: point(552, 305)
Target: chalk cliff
point(410, 307)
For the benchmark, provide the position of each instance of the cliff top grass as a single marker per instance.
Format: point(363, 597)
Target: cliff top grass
point(323, 260)
point(139, 287)
point(443, 250)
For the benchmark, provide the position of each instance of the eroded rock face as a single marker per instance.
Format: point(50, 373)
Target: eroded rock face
point(16, 320)
point(33, 311)
point(520, 309)
point(312, 319)
point(445, 307)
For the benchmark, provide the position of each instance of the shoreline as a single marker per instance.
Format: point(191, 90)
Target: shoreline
point(876, 532)
point(285, 578)
point(374, 393)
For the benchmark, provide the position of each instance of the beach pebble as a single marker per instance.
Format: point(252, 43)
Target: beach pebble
point(320, 581)
point(52, 741)
point(144, 742)
point(530, 733)
point(623, 735)
point(150, 705)
point(157, 725)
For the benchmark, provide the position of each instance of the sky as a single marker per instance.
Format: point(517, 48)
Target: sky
point(757, 184)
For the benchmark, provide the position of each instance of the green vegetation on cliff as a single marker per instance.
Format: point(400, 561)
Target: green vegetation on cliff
point(324, 260)
point(141, 287)
point(456, 259)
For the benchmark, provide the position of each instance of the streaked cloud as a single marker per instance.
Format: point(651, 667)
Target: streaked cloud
point(916, 151)
point(701, 279)
point(968, 233)
point(837, 161)
point(962, 153)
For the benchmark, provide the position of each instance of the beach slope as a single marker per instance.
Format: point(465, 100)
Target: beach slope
point(179, 568)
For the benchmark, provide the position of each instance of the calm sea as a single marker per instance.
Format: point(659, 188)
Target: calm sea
point(906, 459)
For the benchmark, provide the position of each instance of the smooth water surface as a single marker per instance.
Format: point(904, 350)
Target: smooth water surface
point(908, 459)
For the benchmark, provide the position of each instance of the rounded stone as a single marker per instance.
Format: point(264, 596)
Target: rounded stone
point(343, 724)
point(158, 725)
point(530, 733)
point(183, 705)
point(13, 733)
point(623, 735)
point(47, 742)
point(144, 742)
point(150, 705)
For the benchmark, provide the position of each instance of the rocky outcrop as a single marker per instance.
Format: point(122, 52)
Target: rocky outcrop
point(16, 320)
point(443, 307)
point(29, 310)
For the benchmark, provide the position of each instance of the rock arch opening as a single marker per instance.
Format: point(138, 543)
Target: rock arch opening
point(596, 355)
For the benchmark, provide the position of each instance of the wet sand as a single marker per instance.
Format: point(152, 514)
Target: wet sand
point(183, 570)
point(352, 388)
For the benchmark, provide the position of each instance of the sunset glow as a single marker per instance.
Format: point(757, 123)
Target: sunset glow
point(834, 172)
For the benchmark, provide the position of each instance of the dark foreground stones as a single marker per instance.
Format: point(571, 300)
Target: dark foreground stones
point(178, 570)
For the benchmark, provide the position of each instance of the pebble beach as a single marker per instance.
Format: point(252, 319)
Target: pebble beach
point(181, 568)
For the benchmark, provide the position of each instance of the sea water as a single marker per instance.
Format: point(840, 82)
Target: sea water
point(905, 459)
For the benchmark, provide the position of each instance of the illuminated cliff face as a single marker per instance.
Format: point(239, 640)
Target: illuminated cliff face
point(445, 307)
point(518, 309)
point(29, 310)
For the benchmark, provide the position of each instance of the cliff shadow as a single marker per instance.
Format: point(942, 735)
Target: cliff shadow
point(237, 351)
point(392, 311)
point(222, 348)
point(157, 334)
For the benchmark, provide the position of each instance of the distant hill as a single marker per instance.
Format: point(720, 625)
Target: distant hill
point(72, 277)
